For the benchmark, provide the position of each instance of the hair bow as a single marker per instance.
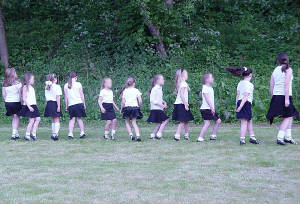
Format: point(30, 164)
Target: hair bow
point(48, 83)
point(245, 68)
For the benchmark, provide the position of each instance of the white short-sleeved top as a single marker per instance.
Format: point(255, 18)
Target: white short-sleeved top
point(131, 95)
point(156, 96)
point(55, 90)
point(210, 91)
point(107, 96)
point(30, 97)
point(279, 79)
point(73, 93)
point(12, 93)
point(244, 87)
point(178, 100)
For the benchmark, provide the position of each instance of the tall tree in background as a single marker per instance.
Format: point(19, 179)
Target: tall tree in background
point(3, 45)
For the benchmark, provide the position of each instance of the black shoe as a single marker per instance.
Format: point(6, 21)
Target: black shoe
point(106, 138)
point(27, 138)
point(17, 137)
point(138, 139)
point(32, 137)
point(82, 136)
point(242, 142)
point(158, 138)
point(53, 137)
point(176, 139)
point(70, 137)
point(280, 142)
point(132, 137)
point(290, 141)
point(253, 141)
point(56, 138)
point(13, 138)
point(112, 137)
point(212, 138)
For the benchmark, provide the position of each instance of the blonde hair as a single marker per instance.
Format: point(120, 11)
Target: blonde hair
point(10, 77)
point(72, 75)
point(129, 82)
point(103, 82)
point(205, 77)
point(50, 78)
point(178, 78)
point(153, 82)
point(25, 81)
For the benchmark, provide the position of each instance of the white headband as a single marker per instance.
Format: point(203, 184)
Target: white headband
point(48, 83)
point(245, 68)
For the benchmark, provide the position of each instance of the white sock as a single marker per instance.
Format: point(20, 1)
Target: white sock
point(253, 137)
point(113, 132)
point(158, 134)
point(280, 135)
point(213, 136)
point(106, 132)
point(288, 134)
point(57, 128)
point(81, 133)
point(70, 134)
point(33, 133)
point(186, 134)
point(177, 136)
point(138, 135)
point(152, 135)
point(53, 128)
point(27, 134)
point(242, 138)
point(14, 132)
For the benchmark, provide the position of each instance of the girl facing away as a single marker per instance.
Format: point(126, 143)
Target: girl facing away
point(75, 104)
point(157, 106)
point(29, 108)
point(52, 94)
point(244, 100)
point(181, 110)
point(207, 108)
point(282, 99)
point(131, 107)
point(107, 106)
point(11, 93)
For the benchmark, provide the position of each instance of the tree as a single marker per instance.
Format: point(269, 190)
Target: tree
point(3, 44)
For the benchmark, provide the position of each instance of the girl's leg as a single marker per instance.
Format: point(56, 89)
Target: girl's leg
point(186, 130)
point(155, 131)
point(56, 126)
point(288, 133)
point(81, 127)
point(113, 128)
point(204, 130)
point(28, 129)
point(282, 129)
point(251, 132)
point(178, 131)
point(128, 127)
point(136, 128)
point(161, 128)
point(215, 129)
point(15, 126)
point(71, 127)
point(244, 124)
point(106, 129)
point(35, 126)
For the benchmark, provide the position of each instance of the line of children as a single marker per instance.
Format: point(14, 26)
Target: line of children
point(131, 102)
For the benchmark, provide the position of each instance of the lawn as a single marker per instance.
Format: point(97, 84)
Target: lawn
point(97, 171)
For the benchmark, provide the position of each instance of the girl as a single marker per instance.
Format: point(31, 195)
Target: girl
point(181, 110)
point(11, 93)
point(107, 105)
point(207, 108)
point(157, 115)
point(52, 95)
point(282, 100)
point(75, 104)
point(29, 108)
point(130, 107)
point(244, 100)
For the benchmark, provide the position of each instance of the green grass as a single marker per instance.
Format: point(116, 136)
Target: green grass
point(98, 171)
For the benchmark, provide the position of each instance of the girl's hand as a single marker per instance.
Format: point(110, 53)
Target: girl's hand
point(186, 107)
point(287, 103)
point(58, 109)
point(30, 109)
point(103, 110)
point(213, 111)
point(117, 108)
point(66, 109)
point(84, 106)
point(238, 109)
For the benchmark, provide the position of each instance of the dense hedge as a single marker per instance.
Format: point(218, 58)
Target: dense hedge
point(109, 38)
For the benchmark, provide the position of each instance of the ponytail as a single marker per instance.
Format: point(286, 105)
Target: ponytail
point(49, 80)
point(239, 71)
point(103, 82)
point(72, 75)
point(129, 82)
point(283, 61)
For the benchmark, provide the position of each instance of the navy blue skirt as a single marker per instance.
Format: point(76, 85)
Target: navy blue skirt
point(157, 116)
point(132, 112)
point(77, 111)
point(180, 114)
point(207, 115)
point(25, 112)
point(51, 110)
point(246, 111)
point(12, 108)
point(277, 108)
point(109, 112)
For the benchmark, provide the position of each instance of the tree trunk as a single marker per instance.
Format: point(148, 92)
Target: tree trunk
point(155, 33)
point(3, 45)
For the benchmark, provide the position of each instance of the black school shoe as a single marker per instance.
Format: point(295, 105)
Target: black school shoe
point(280, 142)
point(158, 138)
point(176, 139)
point(32, 137)
point(132, 137)
point(105, 137)
point(17, 136)
point(70, 137)
point(253, 141)
point(82, 136)
point(138, 139)
point(12, 138)
point(52, 137)
point(242, 142)
point(290, 141)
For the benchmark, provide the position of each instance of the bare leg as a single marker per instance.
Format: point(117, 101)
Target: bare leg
point(81, 125)
point(29, 126)
point(71, 126)
point(156, 128)
point(204, 128)
point(15, 122)
point(186, 127)
point(107, 125)
point(216, 126)
point(36, 125)
point(163, 125)
point(244, 123)
point(127, 122)
point(286, 122)
point(135, 126)
point(114, 124)
point(250, 128)
point(178, 131)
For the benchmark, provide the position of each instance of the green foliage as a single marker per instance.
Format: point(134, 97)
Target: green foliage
point(110, 38)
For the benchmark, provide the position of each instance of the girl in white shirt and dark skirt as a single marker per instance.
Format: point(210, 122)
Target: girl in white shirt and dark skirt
point(244, 100)
point(282, 101)
point(29, 108)
point(207, 108)
point(52, 110)
point(130, 107)
point(107, 106)
point(75, 104)
point(181, 110)
point(11, 93)
point(157, 114)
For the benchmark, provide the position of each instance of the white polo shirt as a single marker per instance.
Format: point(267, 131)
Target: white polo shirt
point(55, 90)
point(178, 100)
point(156, 96)
point(131, 95)
point(12, 93)
point(244, 87)
point(107, 96)
point(74, 93)
point(210, 91)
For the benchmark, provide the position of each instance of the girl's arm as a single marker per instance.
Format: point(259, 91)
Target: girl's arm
point(140, 101)
point(288, 79)
point(3, 93)
point(237, 97)
point(122, 103)
point(100, 99)
point(66, 98)
point(272, 83)
point(209, 103)
point(181, 92)
point(153, 97)
point(115, 106)
point(82, 97)
point(58, 103)
point(25, 99)
point(245, 98)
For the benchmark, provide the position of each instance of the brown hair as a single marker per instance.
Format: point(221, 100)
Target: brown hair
point(103, 82)
point(50, 77)
point(72, 75)
point(178, 77)
point(25, 81)
point(153, 82)
point(239, 71)
point(129, 82)
point(205, 77)
point(283, 61)
point(10, 77)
